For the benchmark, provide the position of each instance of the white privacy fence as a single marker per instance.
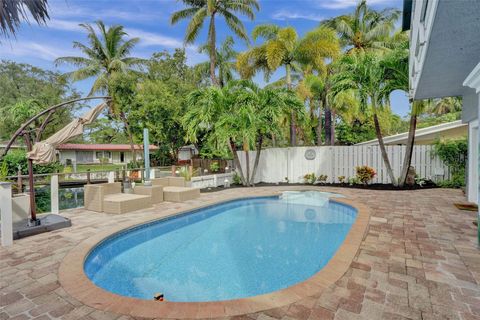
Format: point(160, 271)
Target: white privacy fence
point(280, 164)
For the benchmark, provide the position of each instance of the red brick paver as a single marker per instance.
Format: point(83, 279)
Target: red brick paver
point(418, 260)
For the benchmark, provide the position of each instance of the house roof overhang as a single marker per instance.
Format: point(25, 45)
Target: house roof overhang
point(452, 47)
point(449, 130)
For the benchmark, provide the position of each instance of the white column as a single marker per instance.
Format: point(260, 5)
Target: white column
point(6, 213)
point(54, 194)
point(111, 177)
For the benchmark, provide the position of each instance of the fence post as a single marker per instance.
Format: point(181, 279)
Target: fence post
point(173, 170)
point(6, 213)
point(88, 176)
point(111, 177)
point(54, 194)
point(19, 179)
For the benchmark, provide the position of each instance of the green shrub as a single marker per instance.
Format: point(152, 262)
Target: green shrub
point(454, 154)
point(15, 158)
point(236, 179)
point(365, 174)
point(341, 179)
point(322, 178)
point(214, 166)
point(310, 178)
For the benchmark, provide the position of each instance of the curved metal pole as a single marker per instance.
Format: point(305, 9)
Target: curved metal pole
point(20, 130)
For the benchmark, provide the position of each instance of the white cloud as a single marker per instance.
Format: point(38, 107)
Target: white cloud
point(65, 25)
point(154, 39)
point(342, 4)
point(43, 51)
point(288, 15)
point(65, 10)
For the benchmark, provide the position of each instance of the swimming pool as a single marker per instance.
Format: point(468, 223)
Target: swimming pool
point(233, 250)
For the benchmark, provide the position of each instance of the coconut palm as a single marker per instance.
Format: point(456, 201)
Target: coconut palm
point(198, 10)
point(238, 114)
point(445, 105)
point(13, 12)
point(105, 56)
point(283, 48)
point(365, 29)
point(225, 61)
point(364, 73)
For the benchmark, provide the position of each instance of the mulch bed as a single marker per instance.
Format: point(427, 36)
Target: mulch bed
point(373, 186)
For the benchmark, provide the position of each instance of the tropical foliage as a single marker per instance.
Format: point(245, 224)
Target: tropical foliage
point(13, 12)
point(200, 10)
point(334, 86)
point(238, 116)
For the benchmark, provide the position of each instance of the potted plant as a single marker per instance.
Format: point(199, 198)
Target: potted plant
point(322, 179)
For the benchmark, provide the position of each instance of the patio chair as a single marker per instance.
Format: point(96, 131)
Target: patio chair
point(174, 189)
point(108, 197)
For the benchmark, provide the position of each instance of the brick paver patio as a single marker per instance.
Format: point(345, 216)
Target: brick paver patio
point(418, 260)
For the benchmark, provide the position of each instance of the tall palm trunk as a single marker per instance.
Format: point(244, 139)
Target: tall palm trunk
point(247, 161)
point(257, 158)
point(319, 126)
point(236, 160)
point(213, 50)
point(293, 127)
point(407, 160)
point(378, 131)
point(328, 125)
point(332, 128)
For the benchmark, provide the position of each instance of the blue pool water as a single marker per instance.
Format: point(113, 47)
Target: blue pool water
point(233, 250)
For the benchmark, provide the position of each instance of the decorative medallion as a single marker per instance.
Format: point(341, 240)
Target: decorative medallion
point(310, 154)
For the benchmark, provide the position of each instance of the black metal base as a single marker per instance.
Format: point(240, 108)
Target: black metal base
point(44, 223)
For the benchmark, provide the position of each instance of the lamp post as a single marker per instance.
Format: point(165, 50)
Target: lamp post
point(146, 157)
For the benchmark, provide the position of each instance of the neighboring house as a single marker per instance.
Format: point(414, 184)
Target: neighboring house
point(445, 62)
point(428, 135)
point(96, 153)
point(186, 153)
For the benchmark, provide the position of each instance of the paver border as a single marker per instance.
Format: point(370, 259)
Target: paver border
point(74, 280)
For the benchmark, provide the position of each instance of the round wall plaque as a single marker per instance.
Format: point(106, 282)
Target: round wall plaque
point(310, 154)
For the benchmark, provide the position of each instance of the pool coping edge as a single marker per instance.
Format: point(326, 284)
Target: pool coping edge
point(74, 280)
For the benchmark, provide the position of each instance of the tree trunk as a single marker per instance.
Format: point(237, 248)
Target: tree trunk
point(382, 149)
point(130, 136)
point(293, 127)
point(332, 128)
point(247, 160)
point(319, 127)
point(328, 126)
point(213, 51)
point(407, 161)
point(236, 161)
point(257, 159)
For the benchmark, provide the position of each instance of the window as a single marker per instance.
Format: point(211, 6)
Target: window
point(106, 154)
point(99, 154)
point(424, 11)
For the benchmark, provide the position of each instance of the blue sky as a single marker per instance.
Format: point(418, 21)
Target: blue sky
point(149, 20)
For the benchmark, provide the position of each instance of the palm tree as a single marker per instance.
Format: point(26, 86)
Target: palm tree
point(363, 72)
point(445, 105)
point(282, 47)
point(105, 56)
point(365, 29)
point(238, 114)
point(13, 12)
point(225, 61)
point(198, 10)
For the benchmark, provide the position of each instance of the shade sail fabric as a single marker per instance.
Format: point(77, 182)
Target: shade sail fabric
point(44, 151)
